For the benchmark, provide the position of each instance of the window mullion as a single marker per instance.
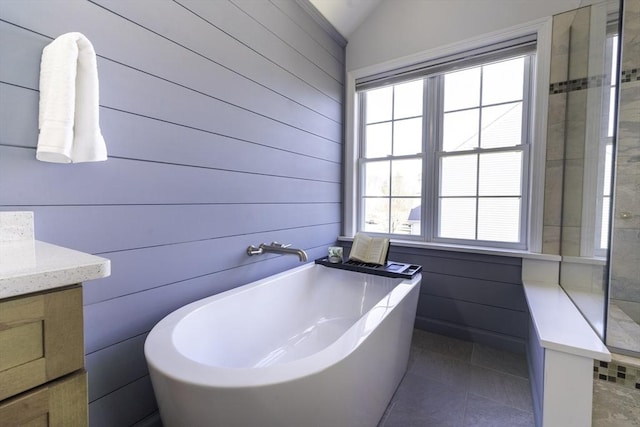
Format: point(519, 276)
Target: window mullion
point(477, 219)
point(525, 194)
point(433, 122)
point(390, 157)
point(361, 160)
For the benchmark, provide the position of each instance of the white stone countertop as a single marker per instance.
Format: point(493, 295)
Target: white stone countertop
point(559, 324)
point(28, 266)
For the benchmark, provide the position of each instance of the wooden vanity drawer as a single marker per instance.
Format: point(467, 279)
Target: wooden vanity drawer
point(59, 403)
point(41, 339)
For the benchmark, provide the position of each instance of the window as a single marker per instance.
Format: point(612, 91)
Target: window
point(392, 166)
point(444, 156)
point(606, 148)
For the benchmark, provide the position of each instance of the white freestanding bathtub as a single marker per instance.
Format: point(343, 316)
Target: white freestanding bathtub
point(312, 346)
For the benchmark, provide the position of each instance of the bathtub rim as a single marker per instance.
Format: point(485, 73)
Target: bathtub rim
point(171, 363)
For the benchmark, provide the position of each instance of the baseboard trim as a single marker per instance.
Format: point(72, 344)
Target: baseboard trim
point(488, 338)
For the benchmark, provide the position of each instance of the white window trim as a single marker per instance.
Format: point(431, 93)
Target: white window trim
point(540, 97)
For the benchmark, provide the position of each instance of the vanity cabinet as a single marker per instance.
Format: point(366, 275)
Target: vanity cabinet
point(42, 377)
point(43, 381)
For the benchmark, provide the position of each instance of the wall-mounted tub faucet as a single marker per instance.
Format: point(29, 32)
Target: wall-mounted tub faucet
point(278, 248)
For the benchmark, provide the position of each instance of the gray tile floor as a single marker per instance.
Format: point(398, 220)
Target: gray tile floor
point(455, 383)
point(615, 405)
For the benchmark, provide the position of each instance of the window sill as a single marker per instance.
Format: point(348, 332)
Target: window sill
point(585, 260)
point(468, 249)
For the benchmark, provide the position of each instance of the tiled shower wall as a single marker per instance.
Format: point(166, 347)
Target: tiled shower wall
point(572, 88)
point(577, 117)
point(625, 247)
point(566, 119)
point(617, 372)
point(577, 114)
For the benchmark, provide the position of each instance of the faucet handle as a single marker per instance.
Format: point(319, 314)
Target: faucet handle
point(252, 250)
point(280, 245)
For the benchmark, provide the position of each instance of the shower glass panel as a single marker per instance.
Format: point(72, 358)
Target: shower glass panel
point(623, 324)
point(585, 50)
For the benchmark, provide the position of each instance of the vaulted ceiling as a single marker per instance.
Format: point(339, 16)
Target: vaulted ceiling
point(345, 15)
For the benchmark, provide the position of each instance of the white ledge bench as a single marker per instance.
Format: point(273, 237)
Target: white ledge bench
point(561, 349)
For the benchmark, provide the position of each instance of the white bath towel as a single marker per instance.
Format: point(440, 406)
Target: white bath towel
point(68, 120)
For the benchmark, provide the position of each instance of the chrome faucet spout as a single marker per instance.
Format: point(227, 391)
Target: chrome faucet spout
point(279, 248)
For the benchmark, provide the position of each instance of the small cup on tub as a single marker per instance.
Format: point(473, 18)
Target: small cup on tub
point(335, 254)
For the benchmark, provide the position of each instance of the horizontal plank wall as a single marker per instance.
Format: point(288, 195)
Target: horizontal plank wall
point(474, 297)
point(223, 122)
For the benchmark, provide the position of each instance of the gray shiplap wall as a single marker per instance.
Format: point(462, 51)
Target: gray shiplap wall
point(474, 297)
point(223, 121)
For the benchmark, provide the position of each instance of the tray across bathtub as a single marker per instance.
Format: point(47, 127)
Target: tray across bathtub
point(390, 269)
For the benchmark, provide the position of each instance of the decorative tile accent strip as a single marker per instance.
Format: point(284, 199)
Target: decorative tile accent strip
point(627, 376)
point(593, 81)
point(630, 76)
point(578, 84)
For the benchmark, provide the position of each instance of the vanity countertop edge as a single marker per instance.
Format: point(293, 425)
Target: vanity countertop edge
point(32, 266)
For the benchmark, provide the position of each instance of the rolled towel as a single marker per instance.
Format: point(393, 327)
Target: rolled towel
point(69, 119)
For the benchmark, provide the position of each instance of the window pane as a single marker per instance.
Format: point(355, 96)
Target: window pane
point(462, 89)
point(611, 112)
point(376, 215)
point(500, 174)
point(503, 81)
point(407, 177)
point(458, 218)
point(460, 130)
point(604, 226)
point(376, 178)
point(458, 175)
point(415, 217)
point(378, 140)
point(407, 137)
point(501, 125)
point(606, 199)
point(400, 214)
point(379, 104)
point(608, 152)
point(499, 219)
point(407, 100)
point(614, 59)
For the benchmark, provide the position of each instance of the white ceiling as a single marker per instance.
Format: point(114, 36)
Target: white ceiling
point(345, 15)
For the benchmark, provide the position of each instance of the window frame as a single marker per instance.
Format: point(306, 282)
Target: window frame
point(524, 148)
point(363, 161)
point(542, 28)
point(431, 153)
